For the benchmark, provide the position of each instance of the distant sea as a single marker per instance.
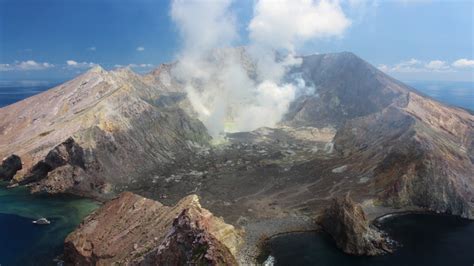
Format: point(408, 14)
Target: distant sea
point(14, 91)
point(457, 93)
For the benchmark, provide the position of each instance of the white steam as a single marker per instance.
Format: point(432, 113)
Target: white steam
point(242, 89)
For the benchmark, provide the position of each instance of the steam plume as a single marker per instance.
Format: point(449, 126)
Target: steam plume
point(242, 89)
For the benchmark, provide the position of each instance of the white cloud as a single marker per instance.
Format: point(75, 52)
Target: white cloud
point(135, 65)
point(33, 65)
point(71, 63)
point(25, 66)
point(140, 48)
point(436, 65)
point(5, 67)
point(92, 48)
point(463, 63)
point(384, 68)
point(75, 64)
point(286, 23)
point(417, 66)
point(412, 65)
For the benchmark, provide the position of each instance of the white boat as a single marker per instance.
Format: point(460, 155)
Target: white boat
point(42, 221)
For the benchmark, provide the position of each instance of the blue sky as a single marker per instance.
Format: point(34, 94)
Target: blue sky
point(57, 39)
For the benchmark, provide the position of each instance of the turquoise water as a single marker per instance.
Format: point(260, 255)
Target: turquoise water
point(426, 240)
point(24, 243)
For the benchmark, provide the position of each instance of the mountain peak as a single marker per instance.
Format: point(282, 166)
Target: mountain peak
point(96, 69)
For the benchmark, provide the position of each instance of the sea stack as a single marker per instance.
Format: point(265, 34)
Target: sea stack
point(345, 221)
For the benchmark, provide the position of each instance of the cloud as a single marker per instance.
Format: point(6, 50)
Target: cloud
point(414, 65)
point(384, 68)
point(5, 67)
point(140, 48)
point(437, 65)
point(33, 65)
point(463, 63)
point(285, 23)
point(135, 65)
point(411, 65)
point(71, 63)
point(74, 64)
point(92, 49)
point(25, 66)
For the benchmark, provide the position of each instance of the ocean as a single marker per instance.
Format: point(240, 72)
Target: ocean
point(25, 243)
point(14, 91)
point(458, 93)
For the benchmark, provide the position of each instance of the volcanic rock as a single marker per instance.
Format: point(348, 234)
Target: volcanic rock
point(345, 221)
point(10, 166)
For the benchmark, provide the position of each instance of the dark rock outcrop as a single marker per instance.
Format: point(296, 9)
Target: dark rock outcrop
point(10, 166)
point(68, 152)
point(345, 221)
point(65, 170)
point(132, 230)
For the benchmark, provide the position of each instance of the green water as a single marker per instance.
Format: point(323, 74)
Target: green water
point(23, 243)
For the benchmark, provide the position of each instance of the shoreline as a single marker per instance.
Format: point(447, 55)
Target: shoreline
point(258, 232)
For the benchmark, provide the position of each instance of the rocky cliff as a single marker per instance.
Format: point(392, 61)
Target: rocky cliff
point(420, 152)
point(405, 148)
point(132, 230)
point(345, 221)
